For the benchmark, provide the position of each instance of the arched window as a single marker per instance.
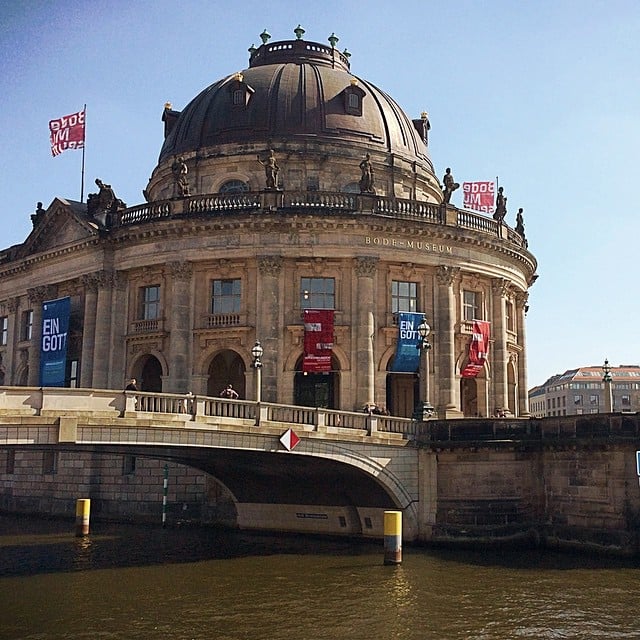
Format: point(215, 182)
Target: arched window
point(234, 186)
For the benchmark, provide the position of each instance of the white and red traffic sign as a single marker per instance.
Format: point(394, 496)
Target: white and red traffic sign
point(289, 439)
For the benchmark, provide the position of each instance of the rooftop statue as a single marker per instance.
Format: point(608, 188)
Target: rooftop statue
point(180, 170)
point(271, 170)
point(366, 180)
point(449, 186)
point(501, 206)
point(520, 227)
point(104, 203)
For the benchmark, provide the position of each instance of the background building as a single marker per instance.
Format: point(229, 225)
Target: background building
point(580, 391)
point(290, 185)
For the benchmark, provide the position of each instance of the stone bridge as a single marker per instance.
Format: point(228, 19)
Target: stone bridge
point(568, 481)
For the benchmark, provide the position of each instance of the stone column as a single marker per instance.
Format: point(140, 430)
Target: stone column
point(444, 342)
point(90, 282)
point(119, 323)
point(268, 322)
point(521, 299)
point(181, 322)
point(13, 326)
point(365, 268)
point(36, 297)
point(500, 289)
point(102, 344)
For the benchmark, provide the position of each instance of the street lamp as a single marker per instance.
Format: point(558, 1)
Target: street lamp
point(425, 408)
point(608, 390)
point(257, 352)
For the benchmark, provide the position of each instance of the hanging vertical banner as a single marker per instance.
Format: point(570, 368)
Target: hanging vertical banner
point(407, 358)
point(318, 340)
point(479, 196)
point(53, 344)
point(478, 349)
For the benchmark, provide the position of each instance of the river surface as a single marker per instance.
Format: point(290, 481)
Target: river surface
point(130, 582)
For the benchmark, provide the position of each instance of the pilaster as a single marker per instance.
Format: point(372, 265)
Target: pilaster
point(269, 319)
point(365, 268)
point(90, 282)
point(521, 299)
point(180, 326)
point(444, 344)
point(500, 289)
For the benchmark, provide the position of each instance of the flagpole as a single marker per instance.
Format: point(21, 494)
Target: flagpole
point(84, 142)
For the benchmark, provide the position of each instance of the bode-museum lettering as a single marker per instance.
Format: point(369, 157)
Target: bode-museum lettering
point(419, 245)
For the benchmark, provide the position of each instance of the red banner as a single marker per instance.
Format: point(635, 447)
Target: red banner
point(478, 349)
point(479, 196)
point(318, 340)
point(67, 133)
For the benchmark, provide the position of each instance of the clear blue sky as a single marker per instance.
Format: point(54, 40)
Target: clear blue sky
point(544, 94)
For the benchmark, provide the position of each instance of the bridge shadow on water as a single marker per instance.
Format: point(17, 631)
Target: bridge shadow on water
point(33, 546)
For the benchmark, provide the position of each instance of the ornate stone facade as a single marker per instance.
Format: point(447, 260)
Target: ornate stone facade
point(176, 291)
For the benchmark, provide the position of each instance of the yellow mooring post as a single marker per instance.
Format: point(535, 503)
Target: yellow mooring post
point(392, 537)
point(83, 511)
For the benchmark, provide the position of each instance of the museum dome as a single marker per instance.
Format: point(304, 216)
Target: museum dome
point(294, 89)
point(299, 98)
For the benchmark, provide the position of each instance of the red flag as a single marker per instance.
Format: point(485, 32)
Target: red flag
point(67, 133)
point(479, 196)
point(318, 340)
point(478, 349)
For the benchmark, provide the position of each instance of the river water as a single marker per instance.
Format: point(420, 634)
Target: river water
point(130, 582)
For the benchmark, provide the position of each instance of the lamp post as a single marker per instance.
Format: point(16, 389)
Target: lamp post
point(426, 408)
point(257, 352)
point(608, 389)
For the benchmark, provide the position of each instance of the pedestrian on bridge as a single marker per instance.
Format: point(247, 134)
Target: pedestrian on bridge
point(229, 392)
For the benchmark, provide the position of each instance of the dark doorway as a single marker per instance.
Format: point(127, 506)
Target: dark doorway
point(316, 389)
point(226, 368)
point(150, 378)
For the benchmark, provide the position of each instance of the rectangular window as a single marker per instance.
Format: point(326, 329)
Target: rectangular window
point(128, 465)
point(593, 399)
point(49, 462)
point(226, 296)
point(577, 400)
point(27, 325)
point(10, 463)
point(317, 293)
point(4, 330)
point(510, 316)
point(471, 309)
point(73, 369)
point(626, 401)
point(404, 296)
point(151, 302)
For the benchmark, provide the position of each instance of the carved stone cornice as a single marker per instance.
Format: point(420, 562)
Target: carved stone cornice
point(270, 265)
point(366, 266)
point(446, 275)
point(181, 270)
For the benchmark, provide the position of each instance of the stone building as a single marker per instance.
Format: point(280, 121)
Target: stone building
point(582, 391)
point(290, 185)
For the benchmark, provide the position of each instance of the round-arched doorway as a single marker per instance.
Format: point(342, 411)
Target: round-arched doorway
point(148, 373)
point(227, 367)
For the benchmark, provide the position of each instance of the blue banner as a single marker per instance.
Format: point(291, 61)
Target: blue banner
point(407, 358)
point(53, 344)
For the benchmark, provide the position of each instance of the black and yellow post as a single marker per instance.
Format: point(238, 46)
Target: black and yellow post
point(83, 511)
point(392, 537)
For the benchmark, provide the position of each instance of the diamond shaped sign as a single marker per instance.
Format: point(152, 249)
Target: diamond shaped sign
point(289, 439)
